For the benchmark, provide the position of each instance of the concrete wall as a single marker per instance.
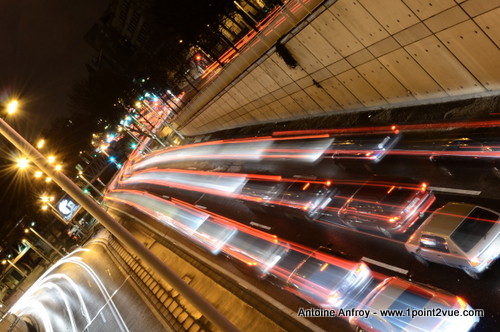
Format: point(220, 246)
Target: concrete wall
point(360, 54)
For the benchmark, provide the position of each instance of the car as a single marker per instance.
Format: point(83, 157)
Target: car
point(305, 199)
point(461, 235)
point(390, 205)
point(409, 298)
point(467, 153)
point(328, 281)
point(368, 147)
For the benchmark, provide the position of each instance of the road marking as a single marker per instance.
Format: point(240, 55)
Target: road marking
point(385, 266)
point(255, 224)
point(201, 206)
point(305, 177)
point(456, 191)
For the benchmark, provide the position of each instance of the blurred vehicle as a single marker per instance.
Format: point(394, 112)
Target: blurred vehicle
point(369, 147)
point(386, 204)
point(257, 250)
point(462, 235)
point(302, 198)
point(449, 158)
point(398, 294)
point(328, 281)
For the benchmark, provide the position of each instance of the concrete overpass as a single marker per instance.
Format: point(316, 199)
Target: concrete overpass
point(354, 55)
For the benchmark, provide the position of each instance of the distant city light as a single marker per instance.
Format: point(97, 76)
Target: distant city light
point(51, 159)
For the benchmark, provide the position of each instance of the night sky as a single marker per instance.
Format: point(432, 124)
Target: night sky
point(42, 53)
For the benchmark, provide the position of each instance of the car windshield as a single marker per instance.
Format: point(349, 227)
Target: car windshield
point(473, 228)
point(415, 298)
point(389, 197)
point(321, 273)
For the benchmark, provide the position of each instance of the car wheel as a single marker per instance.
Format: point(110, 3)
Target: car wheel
point(471, 273)
point(420, 259)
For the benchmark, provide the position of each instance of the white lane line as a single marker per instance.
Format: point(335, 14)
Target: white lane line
point(456, 191)
point(256, 224)
point(385, 266)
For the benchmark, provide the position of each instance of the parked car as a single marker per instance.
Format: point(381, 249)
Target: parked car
point(398, 294)
point(328, 281)
point(461, 235)
point(386, 204)
point(468, 153)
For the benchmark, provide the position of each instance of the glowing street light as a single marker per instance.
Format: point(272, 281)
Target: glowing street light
point(119, 231)
point(38, 174)
point(47, 199)
point(40, 143)
point(51, 159)
point(12, 106)
point(23, 163)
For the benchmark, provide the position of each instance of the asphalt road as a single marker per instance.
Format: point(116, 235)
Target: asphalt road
point(469, 184)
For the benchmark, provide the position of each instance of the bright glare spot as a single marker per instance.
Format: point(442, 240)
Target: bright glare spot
point(51, 159)
point(58, 167)
point(23, 163)
point(48, 179)
point(38, 174)
point(12, 106)
point(45, 207)
point(40, 144)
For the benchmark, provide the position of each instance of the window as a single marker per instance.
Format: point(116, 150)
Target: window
point(473, 228)
point(434, 243)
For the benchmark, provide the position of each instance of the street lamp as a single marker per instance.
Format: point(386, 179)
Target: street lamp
point(5, 261)
point(12, 107)
point(118, 230)
point(23, 163)
point(27, 230)
point(35, 249)
point(80, 175)
point(40, 143)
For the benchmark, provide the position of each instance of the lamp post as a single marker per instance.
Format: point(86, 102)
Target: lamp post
point(119, 231)
point(5, 261)
point(46, 205)
point(80, 175)
point(35, 249)
point(27, 230)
